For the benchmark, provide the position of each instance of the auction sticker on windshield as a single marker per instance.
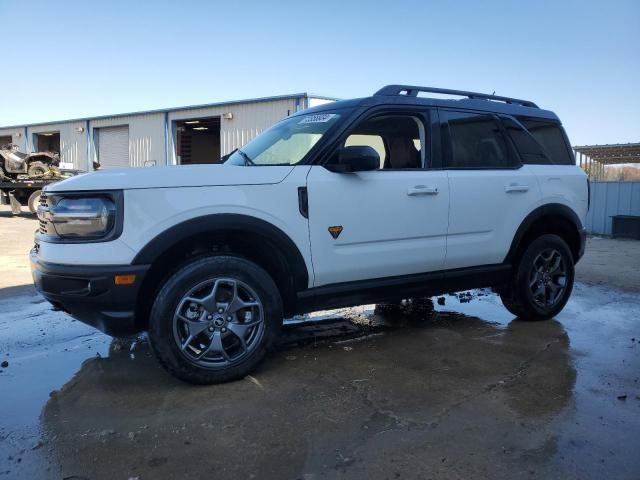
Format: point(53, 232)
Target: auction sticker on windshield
point(318, 118)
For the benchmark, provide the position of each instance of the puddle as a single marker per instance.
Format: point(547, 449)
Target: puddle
point(69, 390)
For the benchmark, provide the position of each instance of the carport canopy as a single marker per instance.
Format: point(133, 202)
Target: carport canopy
point(614, 154)
point(594, 158)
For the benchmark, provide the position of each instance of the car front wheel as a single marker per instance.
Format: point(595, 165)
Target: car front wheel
point(542, 280)
point(214, 319)
point(34, 201)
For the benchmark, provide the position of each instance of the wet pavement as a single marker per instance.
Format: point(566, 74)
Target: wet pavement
point(465, 392)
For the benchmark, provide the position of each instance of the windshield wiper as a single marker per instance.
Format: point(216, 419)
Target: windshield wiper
point(247, 158)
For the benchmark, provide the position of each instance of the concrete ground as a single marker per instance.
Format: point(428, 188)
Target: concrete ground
point(611, 263)
point(468, 392)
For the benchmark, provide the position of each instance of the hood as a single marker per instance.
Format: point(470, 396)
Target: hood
point(172, 177)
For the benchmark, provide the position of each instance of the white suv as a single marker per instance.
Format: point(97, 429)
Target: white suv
point(371, 200)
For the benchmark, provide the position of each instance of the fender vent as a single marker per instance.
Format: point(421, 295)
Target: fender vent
point(303, 202)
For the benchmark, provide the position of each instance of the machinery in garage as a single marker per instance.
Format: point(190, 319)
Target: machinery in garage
point(198, 140)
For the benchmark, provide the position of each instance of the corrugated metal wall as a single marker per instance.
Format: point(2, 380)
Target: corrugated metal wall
point(152, 135)
point(249, 119)
point(17, 136)
point(146, 137)
point(608, 199)
point(73, 141)
point(315, 102)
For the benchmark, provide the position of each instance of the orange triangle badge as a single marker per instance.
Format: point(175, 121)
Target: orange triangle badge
point(335, 231)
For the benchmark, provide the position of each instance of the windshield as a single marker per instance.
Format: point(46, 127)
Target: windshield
point(286, 143)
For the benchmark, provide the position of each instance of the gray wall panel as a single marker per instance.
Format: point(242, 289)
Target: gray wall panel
point(609, 199)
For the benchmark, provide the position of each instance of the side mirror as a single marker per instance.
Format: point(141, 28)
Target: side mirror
point(356, 159)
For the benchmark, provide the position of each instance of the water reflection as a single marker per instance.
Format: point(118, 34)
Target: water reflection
point(334, 386)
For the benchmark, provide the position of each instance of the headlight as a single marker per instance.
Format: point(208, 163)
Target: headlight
point(78, 217)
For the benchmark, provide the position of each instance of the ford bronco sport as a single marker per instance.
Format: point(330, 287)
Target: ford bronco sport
point(378, 199)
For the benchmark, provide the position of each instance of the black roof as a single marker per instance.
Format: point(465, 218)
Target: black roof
point(408, 95)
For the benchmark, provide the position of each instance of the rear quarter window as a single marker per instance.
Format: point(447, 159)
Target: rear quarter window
point(551, 136)
point(528, 147)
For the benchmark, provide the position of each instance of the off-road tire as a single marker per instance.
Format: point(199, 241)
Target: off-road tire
point(37, 169)
point(161, 332)
point(34, 201)
point(518, 297)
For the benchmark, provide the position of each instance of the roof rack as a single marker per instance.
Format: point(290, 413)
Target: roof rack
point(412, 91)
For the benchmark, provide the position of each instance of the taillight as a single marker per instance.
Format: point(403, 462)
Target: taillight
point(588, 194)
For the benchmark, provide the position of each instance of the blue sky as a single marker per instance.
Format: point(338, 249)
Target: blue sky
point(65, 59)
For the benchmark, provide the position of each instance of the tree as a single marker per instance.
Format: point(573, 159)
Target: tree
point(622, 173)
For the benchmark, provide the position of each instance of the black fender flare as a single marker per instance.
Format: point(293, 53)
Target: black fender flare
point(227, 222)
point(551, 209)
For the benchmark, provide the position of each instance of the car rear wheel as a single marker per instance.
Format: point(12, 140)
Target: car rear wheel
point(542, 280)
point(214, 319)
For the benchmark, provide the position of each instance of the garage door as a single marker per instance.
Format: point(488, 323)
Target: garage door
point(113, 147)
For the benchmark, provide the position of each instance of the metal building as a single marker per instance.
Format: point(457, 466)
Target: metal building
point(185, 135)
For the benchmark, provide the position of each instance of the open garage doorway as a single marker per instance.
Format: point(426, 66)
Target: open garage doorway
point(198, 140)
point(47, 142)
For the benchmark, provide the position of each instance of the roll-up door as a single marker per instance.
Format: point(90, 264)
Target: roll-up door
point(113, 147)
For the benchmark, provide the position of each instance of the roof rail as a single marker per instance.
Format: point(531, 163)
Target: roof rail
point(412, 91)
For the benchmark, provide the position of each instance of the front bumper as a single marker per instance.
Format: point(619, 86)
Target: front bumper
point(89, 293)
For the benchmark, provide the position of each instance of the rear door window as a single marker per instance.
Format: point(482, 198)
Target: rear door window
point(551, 137)
point(472, 140)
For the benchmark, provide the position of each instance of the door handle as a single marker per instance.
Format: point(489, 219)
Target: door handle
point(422, 190)
point(516, 188)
